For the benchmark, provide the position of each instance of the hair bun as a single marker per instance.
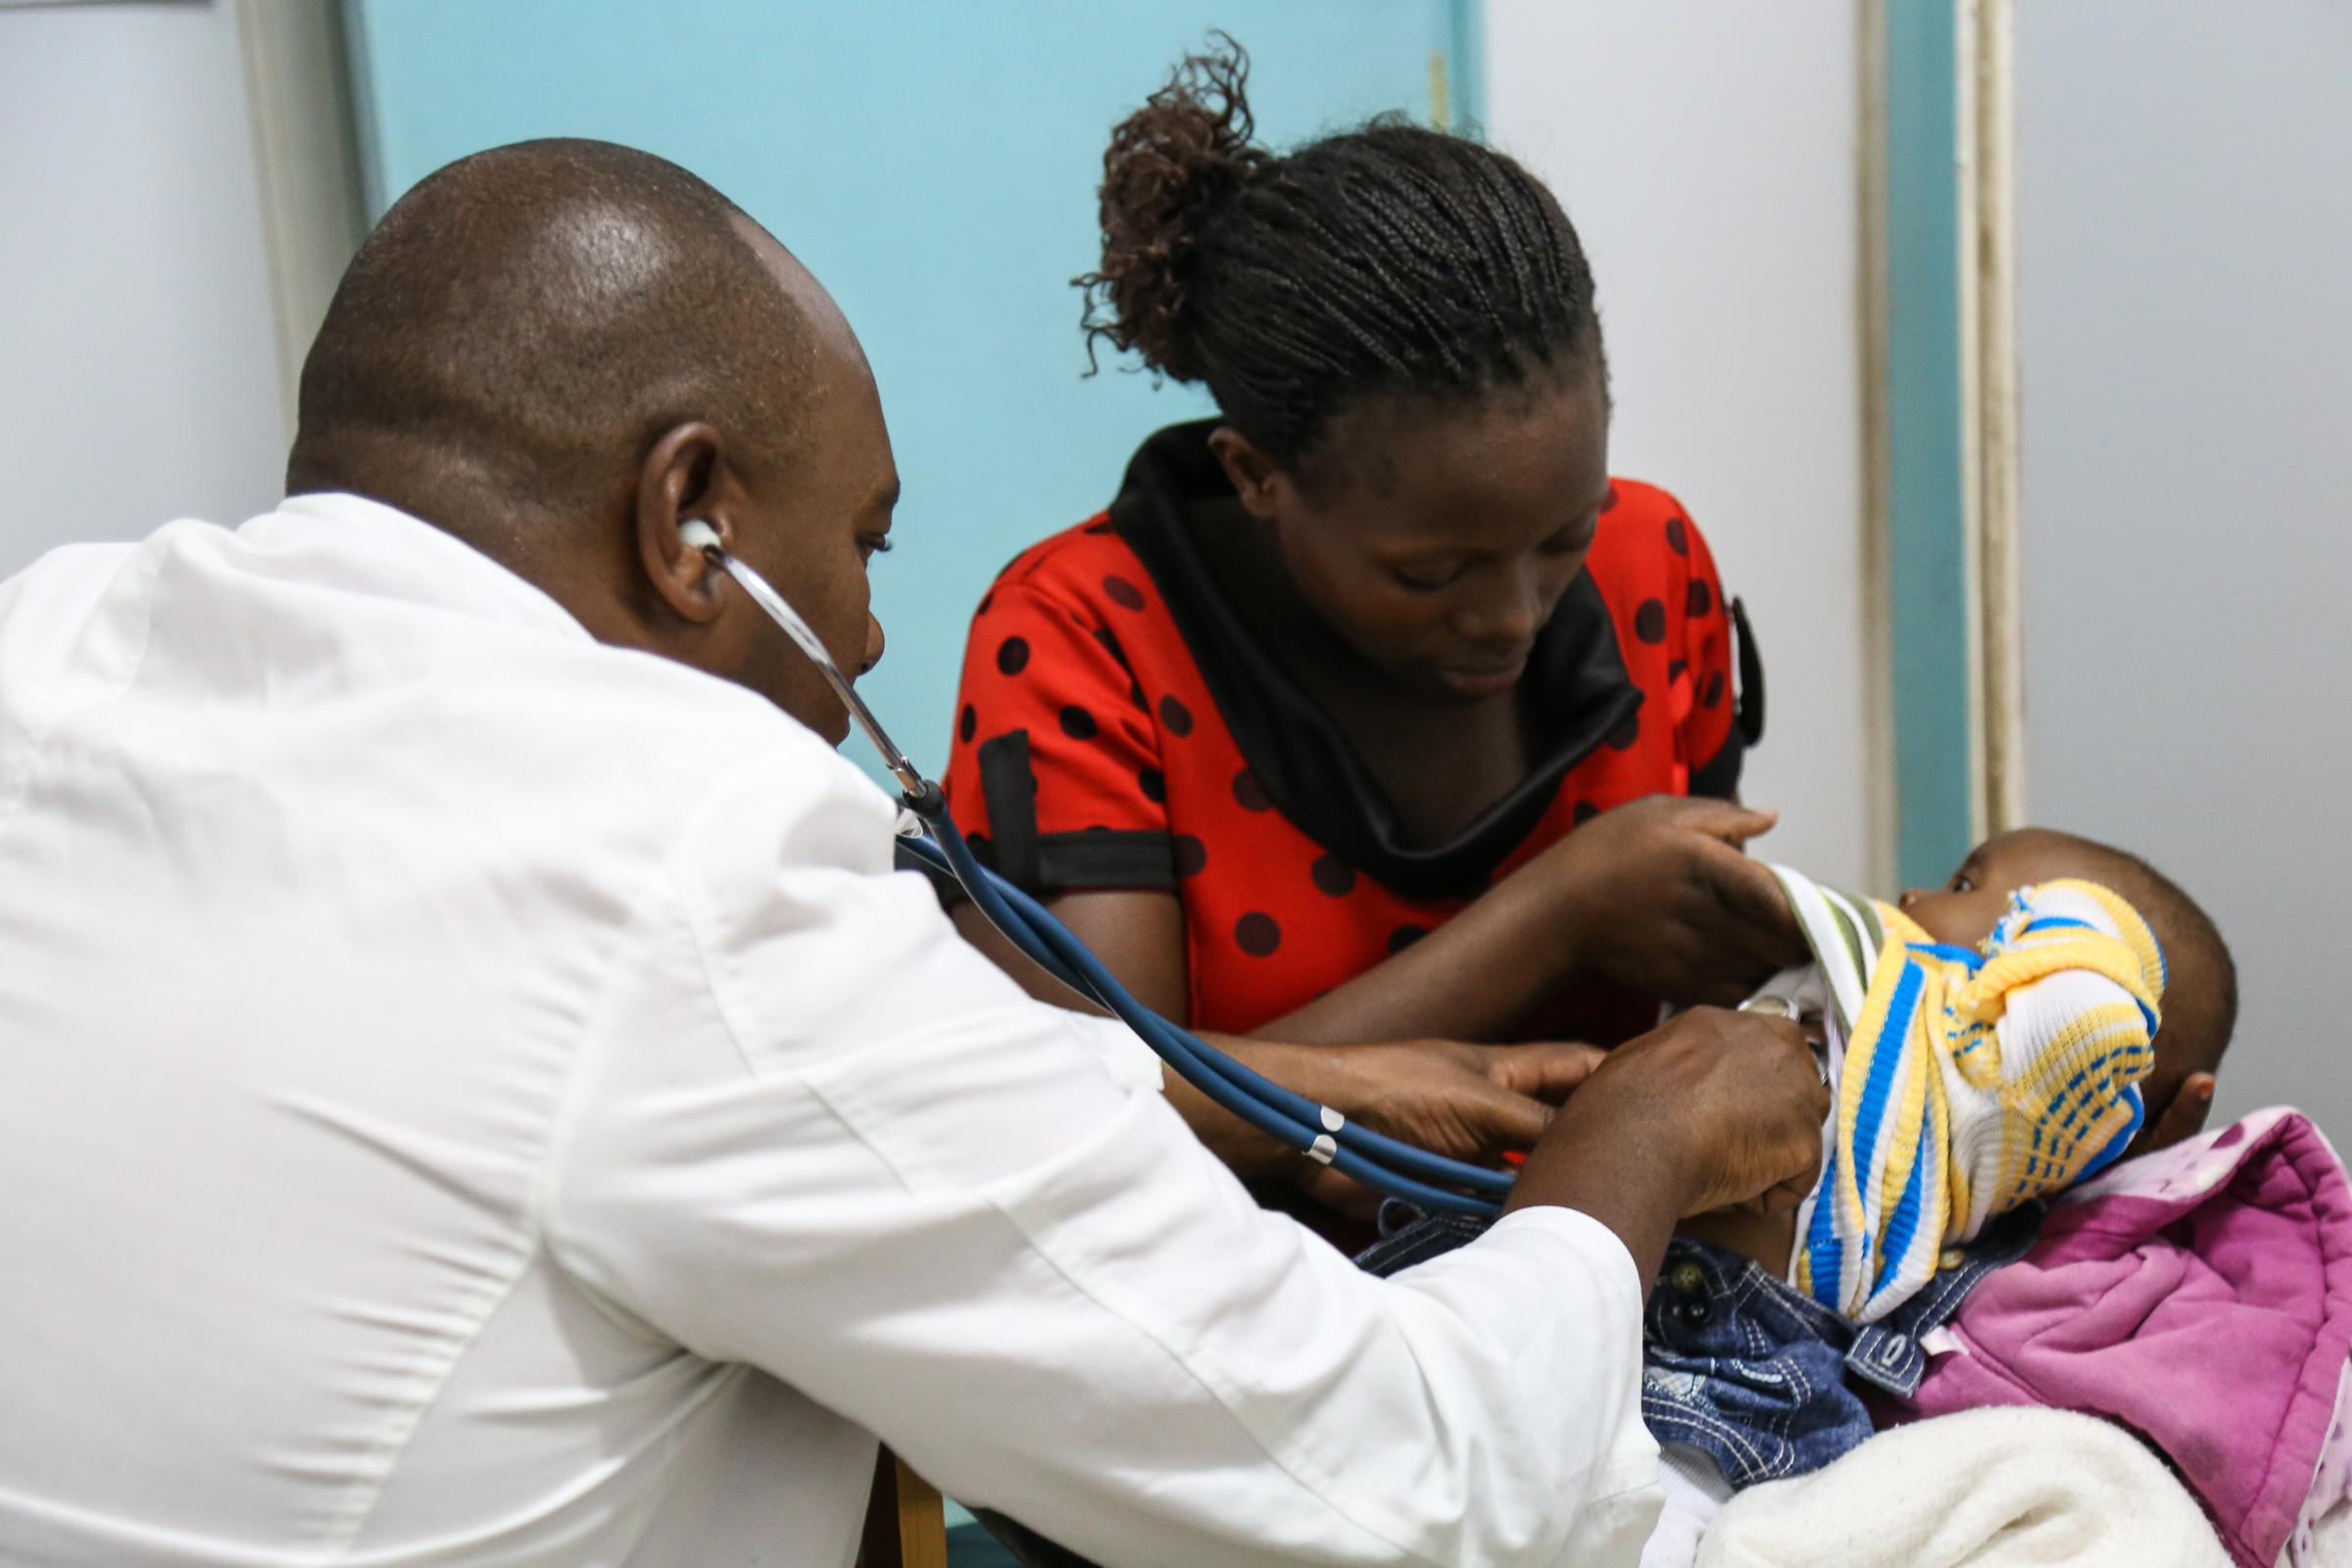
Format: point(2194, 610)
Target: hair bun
point(1170, 165)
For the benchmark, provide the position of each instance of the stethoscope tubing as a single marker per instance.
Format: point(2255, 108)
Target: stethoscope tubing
point(1379, 1162)
point(1427, 1180)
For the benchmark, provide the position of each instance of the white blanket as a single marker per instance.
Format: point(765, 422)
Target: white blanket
point(1989, 1489)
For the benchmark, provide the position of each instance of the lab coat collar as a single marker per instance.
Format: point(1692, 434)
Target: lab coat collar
point(489, 589)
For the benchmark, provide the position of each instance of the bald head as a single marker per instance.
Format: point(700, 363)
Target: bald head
point(562, 351)
point(526, 323)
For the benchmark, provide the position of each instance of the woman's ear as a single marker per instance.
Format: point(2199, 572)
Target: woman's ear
point(1254, 475)
point(684, 478)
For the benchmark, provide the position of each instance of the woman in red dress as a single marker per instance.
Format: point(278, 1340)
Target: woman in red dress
point(1372, 709)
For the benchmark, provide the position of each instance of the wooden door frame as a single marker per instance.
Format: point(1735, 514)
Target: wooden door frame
point(1944, 684)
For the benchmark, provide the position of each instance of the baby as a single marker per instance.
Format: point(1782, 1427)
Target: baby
point(2054, 1006)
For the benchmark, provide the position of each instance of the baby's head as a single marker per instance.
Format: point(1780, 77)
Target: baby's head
point(2200, 985)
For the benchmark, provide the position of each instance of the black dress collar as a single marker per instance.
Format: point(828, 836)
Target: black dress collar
point(1298, 755)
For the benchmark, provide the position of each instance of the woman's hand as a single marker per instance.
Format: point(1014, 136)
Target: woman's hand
point(1658, 895)
point(1655, 895)
point(1471, 1102)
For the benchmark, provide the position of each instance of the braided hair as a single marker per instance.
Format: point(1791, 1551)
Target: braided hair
point(1388, 259)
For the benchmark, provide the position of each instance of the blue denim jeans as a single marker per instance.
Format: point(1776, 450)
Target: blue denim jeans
point(1738, 1362)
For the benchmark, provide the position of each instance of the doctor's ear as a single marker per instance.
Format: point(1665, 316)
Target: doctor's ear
point(684, 478)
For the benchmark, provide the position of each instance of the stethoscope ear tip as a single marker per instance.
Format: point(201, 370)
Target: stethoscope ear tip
point(928, 804)
point(695, 534)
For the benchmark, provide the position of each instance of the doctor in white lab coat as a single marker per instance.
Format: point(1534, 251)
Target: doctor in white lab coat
point(473, 1090)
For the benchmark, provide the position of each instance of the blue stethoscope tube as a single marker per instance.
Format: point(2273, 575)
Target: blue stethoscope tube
point(1420, 1178)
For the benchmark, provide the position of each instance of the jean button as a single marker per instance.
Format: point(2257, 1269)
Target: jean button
point(1696, 1311)
point(1685, 1278)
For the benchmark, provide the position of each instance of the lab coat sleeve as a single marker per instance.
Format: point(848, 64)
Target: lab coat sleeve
point(815, 1132)
point(1122, 1053)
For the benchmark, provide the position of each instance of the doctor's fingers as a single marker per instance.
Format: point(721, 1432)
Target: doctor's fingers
point(1755, 1102)
point(1786, 1195)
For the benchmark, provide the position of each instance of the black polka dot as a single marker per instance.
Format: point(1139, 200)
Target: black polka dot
point(1714, 691)
point(1191, 855)
point(1110, 644)
point(1012, 655)
point(967, 724)
point(1177, 716)
point(1677, 536)
point(1584, 813)
point(1258, 934)
point(1250, 793)
point(1124, 594)
point(1134, 695)
point(1702, 598)
point(1649, 621)
point(1079, 724)
point(1334, 875)
point(987, 599)
point(1628, 731)
point(1405, 936)
point(1154, 783)
point(1676, 671)
point(1102, 525)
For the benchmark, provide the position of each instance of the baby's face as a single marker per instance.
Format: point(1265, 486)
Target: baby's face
point(1964, 911)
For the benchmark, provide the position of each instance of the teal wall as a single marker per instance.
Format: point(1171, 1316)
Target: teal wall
point(934, 162)
point(1927, 575)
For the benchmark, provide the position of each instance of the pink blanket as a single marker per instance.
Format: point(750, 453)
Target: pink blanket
point(2201, 1296)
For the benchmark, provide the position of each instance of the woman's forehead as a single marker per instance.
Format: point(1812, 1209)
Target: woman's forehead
point(1471, 475)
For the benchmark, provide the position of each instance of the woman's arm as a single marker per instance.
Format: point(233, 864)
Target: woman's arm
point(1467, 1102)
point(1655, 895)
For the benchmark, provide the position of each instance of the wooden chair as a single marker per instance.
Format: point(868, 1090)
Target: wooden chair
point(905, 1520)
point(906, 1526)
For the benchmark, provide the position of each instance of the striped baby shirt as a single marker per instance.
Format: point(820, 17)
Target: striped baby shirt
point(1967, 1082)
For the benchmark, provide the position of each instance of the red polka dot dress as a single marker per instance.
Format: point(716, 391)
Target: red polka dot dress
point(1119, 727)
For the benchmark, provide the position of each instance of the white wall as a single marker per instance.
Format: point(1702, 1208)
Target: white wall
point(1707, 154)
point(2185, 194)
point(138, 373)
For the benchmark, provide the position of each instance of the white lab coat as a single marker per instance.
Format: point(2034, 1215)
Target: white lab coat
point(469, 1095)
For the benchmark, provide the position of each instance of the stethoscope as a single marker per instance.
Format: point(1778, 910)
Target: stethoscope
point(1416, 1176)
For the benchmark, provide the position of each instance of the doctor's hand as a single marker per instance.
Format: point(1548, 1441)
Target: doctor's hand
point(1709, 1111)
point(1657, 895)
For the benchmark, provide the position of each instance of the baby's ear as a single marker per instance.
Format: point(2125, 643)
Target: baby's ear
point(2180, 1117)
